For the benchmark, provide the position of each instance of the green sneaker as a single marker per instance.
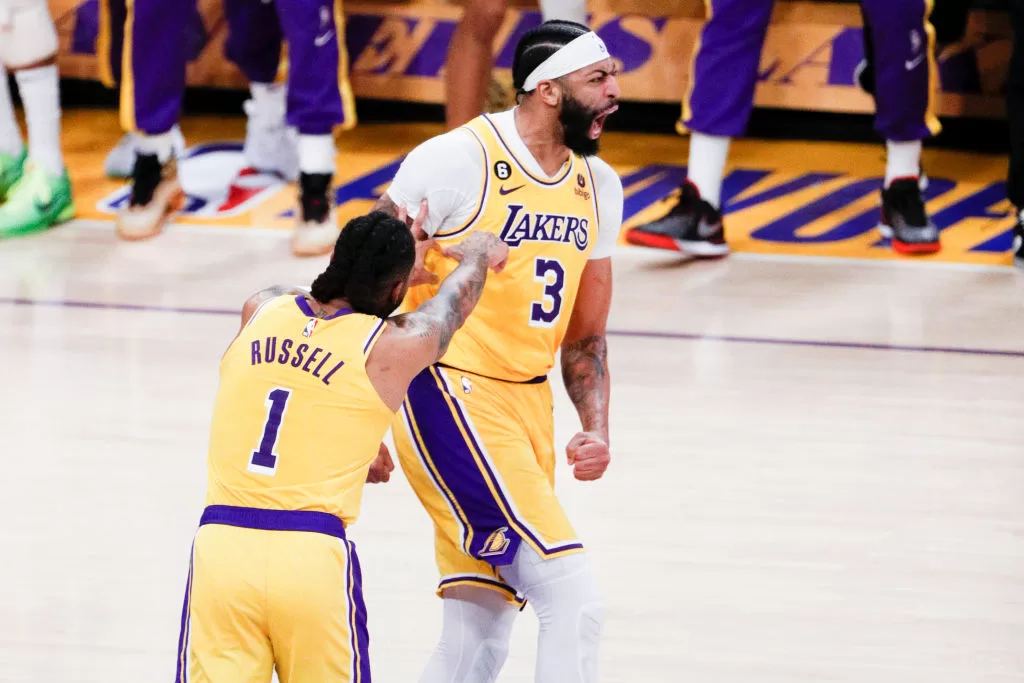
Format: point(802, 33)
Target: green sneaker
point(11, 169)
point(36, 202)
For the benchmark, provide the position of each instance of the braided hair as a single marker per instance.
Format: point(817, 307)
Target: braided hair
point(538, 44)
point(373, 253)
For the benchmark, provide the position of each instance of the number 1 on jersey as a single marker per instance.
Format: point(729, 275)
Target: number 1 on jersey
point(264, 459)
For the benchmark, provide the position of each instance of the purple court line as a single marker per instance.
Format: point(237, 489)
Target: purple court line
point(649, 334)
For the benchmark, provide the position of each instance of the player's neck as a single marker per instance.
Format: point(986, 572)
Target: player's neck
point(328, 309)
point(542, 135)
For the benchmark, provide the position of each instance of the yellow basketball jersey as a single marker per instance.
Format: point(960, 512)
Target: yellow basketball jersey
point(550, 226)
point(297, 421)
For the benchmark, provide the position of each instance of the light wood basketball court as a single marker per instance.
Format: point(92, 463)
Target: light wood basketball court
point(818, 467)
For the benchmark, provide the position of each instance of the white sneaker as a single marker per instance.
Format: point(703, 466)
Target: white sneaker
point(271, 146)
point(120, 161)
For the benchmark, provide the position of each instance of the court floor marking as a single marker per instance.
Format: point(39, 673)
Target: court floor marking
point(639, 334)
point(656, 257)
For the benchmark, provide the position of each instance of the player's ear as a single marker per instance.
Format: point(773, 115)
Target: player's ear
point(550, 92)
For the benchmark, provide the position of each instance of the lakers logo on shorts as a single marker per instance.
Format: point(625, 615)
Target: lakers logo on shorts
point(496, 544)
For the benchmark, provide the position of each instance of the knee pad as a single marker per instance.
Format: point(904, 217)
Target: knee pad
point(474, 638)
point(27, 33)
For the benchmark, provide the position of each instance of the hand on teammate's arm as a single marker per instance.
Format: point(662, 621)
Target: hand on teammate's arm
point(424, 242)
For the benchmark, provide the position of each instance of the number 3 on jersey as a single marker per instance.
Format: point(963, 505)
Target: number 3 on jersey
point(264, 459)
point(551, 274)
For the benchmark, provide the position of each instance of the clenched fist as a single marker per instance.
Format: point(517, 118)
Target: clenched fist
point(589, 455)
point(381, 467)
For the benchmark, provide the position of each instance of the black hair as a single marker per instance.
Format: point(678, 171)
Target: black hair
point(373, 253)
point(538, 44)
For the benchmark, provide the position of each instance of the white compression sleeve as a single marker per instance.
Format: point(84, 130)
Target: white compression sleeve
point(569, 607)
point(474, 637)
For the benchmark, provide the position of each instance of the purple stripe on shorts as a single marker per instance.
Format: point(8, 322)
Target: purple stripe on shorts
point(495, 480)
point(464, 524)
point(274, 520)
point(456, 467)
point(361, 634)
point(181, 671)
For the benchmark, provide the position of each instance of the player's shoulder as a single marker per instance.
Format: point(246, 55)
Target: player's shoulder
point(458, 141)
point(605, 176)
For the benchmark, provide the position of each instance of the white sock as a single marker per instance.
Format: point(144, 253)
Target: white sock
point(708, 154)
point(10, 134)
point(268, 100)
point(40, 92)
point(902, 160)
point(566, 10)
point(316, 153)
point(161, 145)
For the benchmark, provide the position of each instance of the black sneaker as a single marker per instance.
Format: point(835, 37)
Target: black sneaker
point(1018, 240)
point(905, 221)
point(692, 226)
point(316, 230)
point(156, 196)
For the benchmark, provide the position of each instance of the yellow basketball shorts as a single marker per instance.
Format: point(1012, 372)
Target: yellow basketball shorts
point(272, 588)
point(479, 453)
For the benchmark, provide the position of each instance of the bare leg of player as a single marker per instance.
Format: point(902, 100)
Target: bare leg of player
point(468, 69)
point(471, 53)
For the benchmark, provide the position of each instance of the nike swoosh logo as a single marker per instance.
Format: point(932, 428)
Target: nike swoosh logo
point(911, 63)
point(320, 41)
point(502, 191)
point(44, 207)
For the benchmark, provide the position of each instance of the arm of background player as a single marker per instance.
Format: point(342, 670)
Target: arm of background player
point(416, 340)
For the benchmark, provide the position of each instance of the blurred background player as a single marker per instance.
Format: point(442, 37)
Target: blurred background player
point(476, 433)
point(1015, 112)
point(314, 378)
point(317, 100)
point(34, 184)
point(721, 96)
point(254, 45)
point(470, 59)
point(109, 58)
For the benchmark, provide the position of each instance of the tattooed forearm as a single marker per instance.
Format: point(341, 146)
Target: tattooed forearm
point(585, 372)
point(456, 298)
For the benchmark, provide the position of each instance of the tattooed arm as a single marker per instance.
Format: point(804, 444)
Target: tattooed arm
point(585, 370)
point(254, 302)
point(418, 339)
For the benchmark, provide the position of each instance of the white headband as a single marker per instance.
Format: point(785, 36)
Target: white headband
point(580, 52)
